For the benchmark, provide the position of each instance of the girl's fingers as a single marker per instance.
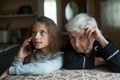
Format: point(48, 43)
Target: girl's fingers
point(27, 41)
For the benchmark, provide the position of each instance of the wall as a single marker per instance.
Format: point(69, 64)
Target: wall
point(12, 8)
point(81, 7)
point(110, 32)
point(19, 23)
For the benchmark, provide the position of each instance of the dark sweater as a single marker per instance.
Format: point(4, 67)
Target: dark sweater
point(74, 60)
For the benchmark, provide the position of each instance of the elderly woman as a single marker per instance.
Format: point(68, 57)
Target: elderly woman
point(86, 43)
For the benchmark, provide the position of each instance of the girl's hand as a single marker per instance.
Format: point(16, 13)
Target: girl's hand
point(96, 34)
point(4, 75)
point(24, 51)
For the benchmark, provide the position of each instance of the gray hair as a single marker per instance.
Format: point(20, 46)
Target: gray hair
point(80, 21)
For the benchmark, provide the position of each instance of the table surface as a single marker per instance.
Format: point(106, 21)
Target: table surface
point(99, 73)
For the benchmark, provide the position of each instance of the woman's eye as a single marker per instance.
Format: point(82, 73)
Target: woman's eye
point(82, 37)
point(70, 36)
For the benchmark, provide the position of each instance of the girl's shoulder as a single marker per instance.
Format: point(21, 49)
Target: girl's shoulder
point(60, 52)
point(57, 54)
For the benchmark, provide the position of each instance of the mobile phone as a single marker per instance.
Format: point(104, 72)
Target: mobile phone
point(31, 46)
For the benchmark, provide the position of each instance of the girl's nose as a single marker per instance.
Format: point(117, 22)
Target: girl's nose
point(37, 35)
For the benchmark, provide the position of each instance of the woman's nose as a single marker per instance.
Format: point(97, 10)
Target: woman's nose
point(76, 42)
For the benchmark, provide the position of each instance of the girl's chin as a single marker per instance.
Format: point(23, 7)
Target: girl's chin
point(38, 47)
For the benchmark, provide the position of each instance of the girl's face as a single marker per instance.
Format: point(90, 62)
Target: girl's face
point(40, 36)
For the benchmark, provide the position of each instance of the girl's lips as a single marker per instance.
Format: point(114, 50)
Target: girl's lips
point(37, 43)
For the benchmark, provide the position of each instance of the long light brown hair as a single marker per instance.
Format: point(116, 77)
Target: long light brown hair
point(54, 35)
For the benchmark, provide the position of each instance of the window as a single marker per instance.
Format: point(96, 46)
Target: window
point(50, 9)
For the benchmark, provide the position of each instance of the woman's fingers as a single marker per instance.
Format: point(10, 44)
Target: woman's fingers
point(88, 31)
point(91, 33)
point(99, 61)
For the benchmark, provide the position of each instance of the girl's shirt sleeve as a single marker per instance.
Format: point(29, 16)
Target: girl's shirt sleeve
point(17, 62)
point(35, 68)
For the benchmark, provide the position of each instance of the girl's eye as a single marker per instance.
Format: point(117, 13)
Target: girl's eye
point(33, 32)
point(42, 33)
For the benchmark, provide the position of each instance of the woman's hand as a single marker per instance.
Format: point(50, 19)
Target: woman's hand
point(4, 75)
point(24, 50)
point(96, 34)
point(99, 61)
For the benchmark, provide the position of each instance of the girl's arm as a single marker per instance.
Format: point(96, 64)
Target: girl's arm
point(24, 50)
point(37, 67)
point(4, 75)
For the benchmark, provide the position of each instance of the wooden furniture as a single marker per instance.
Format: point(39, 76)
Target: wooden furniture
point(82, 5)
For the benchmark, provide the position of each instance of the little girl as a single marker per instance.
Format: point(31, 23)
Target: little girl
point(40, 53)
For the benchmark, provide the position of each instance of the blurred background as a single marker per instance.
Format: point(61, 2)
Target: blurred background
point(16, 16)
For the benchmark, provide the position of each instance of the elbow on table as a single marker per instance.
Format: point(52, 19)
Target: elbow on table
point(114, 68)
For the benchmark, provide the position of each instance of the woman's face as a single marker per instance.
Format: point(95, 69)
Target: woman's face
point(79, 41)
point(40, 36)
